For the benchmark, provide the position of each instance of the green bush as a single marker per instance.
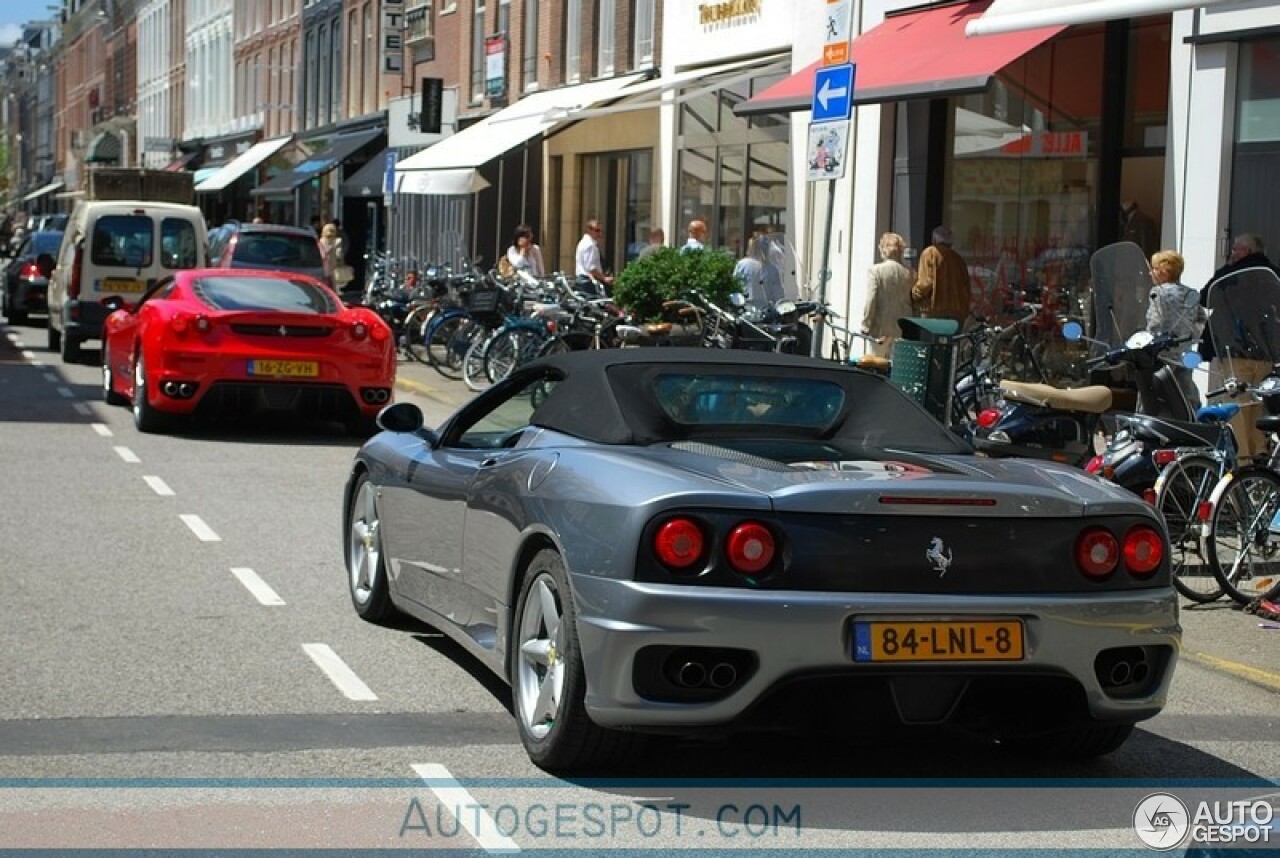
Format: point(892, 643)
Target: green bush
point(668, 274)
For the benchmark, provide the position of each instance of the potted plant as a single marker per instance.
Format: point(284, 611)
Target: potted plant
point(668, 274)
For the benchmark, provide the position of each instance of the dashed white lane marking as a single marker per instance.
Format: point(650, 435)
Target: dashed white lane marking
point(65, 393)
point(103, 429)
point(339, 674)
point(202, 531)
point(158, 486)
point(260, 589)
point(50, 376)
point(128, 455)
point(476, 820)
point(83, 409)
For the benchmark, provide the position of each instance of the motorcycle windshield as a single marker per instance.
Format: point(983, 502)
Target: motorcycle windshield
point(1121, 291)
point(1244, 315)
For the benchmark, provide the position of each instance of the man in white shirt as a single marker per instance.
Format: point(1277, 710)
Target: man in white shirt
point(586, 260)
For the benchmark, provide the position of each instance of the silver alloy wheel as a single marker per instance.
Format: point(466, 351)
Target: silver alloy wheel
point(540, 673)
point(365, 548)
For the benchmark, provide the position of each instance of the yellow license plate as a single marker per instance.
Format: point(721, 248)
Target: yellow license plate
point(285, 368)
point(950, 640)
point(123, 284)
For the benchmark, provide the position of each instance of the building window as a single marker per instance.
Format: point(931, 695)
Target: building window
point(1256, 156)
point(530, 47)
point(572, 41)
point(643, 28)
point(477, 52)
point(605, 21)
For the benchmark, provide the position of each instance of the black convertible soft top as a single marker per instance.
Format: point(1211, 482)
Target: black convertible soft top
point(624, 396)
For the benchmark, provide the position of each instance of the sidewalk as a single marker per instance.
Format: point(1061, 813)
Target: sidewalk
point(1216, 636)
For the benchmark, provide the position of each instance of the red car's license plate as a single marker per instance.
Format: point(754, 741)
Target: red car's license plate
point(285, 368)
point(949, 640)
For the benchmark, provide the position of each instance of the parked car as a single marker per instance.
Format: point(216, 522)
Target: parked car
point(26, 277)
point(267, 247)
point(212, 342)
point(682, 540)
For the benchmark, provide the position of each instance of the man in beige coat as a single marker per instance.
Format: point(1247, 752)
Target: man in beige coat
point(889, 285)
point(942, 283)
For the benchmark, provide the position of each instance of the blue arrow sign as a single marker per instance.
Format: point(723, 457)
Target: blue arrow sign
point(833, 93)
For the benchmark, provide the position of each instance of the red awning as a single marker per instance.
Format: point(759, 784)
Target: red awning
point(921, 54)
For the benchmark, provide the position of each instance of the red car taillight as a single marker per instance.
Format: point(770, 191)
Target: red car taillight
point(73, 284)
point(1143, 550)
point(1094, 465)
point(988, 417)
point(679, 544)
point(359, 330)
point(30, 270)
point(1097, 552)
point(750, 548)
point(183, 322)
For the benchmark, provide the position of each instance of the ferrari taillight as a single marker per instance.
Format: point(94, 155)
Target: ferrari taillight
point(179, 323)
point(381, 333)
point(750, 548)
point(203, 325)
point(679, 544)
point(1143, 550)
point(359, 330)
point(1097, 552)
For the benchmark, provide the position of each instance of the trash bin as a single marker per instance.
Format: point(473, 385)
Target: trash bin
point(922, 363)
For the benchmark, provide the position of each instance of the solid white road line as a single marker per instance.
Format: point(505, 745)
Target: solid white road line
point(202, 531)
point(453, 795)
point(255, 585)
point(339, 674)
point(128, 455)
point(102, 429)
point(159, 486)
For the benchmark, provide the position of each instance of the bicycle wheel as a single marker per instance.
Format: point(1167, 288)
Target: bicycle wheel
point(1243, 541)
point(414, 325)
point(1180, 490)
point(444, 348)
point(473, 363)
point(508, 350)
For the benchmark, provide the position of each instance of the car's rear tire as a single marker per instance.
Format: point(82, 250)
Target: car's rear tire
point(70, 349)
point(1077, 742)
point(109, 394)
point(366, 569)
point(548, 680)
point(53, 338)
point(145, 415)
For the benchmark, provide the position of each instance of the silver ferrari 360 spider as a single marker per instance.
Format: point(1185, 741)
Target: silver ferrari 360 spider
point(678, 540)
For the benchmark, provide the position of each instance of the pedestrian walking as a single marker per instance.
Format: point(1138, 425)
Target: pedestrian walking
point(942, 282)
point(889, 284)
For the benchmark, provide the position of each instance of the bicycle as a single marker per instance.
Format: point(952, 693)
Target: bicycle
point(1243, 535)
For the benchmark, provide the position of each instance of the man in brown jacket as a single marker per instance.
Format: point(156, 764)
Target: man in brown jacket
point(942, 283)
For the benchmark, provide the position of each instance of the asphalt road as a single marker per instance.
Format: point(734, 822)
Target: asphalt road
point(180, 667)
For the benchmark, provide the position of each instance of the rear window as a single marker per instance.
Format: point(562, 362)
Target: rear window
point(46, 242)
point(178, 243)
point(123, 241)
point(264, 293)
point(700, 400)
point(287, 251)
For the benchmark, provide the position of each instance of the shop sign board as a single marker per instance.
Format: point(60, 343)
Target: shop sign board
point(825, 152)
point(393, 24)
point(836, 34)
point(495, 65)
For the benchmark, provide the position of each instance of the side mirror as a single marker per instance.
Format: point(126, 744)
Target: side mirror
point(404, 417)
point(1072, 331)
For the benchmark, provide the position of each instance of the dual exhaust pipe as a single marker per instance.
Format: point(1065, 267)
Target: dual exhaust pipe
point(375, 395)
point(718, 675)
point(178, 389)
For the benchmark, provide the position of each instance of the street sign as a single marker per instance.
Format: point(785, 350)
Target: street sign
point(825, 154)
point(833, 93)
point(836, 34)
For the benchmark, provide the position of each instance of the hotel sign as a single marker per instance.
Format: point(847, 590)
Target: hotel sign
point(393, 24)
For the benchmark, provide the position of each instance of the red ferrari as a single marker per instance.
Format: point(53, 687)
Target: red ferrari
point(209, 342)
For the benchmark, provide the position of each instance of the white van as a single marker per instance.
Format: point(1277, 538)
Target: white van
point(116, 247)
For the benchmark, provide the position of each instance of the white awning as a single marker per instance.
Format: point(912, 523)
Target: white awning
point(55, 185)
point(243, 163)
point(440, 182)
point(1007, 16)
point(503, 131)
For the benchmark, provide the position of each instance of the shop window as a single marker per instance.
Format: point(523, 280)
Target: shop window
point(1255, 170)
point(618, 189)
